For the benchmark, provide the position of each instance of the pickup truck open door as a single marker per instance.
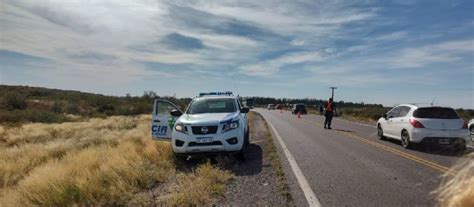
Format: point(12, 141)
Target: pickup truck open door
point(163, 119)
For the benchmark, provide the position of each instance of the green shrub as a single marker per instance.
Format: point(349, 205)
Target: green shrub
point(372, 113)
point(57, 107)
point(29, 115)
point(72, 108)
point(15, 101)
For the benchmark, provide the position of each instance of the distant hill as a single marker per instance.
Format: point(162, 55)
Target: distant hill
point(37, 104)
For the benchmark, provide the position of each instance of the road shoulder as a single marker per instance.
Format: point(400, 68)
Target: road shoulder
point(260, 179)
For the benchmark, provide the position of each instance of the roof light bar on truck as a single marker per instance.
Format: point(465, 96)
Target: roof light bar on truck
point(226, 93)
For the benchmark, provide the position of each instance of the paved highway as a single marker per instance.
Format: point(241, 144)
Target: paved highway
point(350, 166)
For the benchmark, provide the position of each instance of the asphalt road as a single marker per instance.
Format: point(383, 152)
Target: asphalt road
point(350, 166)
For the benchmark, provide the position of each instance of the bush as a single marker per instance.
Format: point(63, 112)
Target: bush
point(106, 108)
point(57, 107)
point(29, 115)
point(15, 101)
point(372, 113)
point(72, 108)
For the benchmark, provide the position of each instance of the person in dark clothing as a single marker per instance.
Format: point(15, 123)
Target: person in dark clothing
point(329, 108)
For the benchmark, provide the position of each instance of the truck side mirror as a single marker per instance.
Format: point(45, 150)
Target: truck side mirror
point(244, 110)
point(175, 113)
point(384, 116)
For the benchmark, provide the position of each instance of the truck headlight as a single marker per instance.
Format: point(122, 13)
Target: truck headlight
point(180, 128)
point(230, 126)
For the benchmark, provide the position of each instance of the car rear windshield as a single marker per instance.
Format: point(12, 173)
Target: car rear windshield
point(300, 106)
point(435, 113)
point(202, 106)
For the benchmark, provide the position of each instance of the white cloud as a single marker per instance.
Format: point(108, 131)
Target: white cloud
point(273, 66)
point(224, 42)
point(445, 52)
point(287, 18)
point(297, 42)
point(391, 36)
point(462, 45)
point(259, 70)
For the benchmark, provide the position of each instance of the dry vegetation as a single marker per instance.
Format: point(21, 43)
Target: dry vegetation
point(109, 161)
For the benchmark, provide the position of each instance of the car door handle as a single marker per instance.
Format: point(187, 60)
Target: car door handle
point(401, 120)
point(157, 121)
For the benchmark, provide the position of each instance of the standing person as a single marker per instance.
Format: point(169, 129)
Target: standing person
point(328, 113)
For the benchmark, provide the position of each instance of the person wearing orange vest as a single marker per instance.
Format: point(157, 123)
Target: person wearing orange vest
point(328, 113)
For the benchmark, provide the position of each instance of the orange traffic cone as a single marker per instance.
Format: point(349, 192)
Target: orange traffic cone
point(299, 115)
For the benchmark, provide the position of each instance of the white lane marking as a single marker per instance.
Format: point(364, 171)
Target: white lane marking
point(305, 187)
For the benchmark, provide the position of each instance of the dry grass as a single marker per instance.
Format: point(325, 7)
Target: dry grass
point(109, 161)
point(458, 190)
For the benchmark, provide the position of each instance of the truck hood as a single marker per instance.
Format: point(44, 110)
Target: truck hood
point(208, 118)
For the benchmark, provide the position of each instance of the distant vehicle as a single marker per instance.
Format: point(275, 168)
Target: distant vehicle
point(250, 103)
point(213, 122)
point(321, 109)
point(431, 125)
point(271, 106)
point(299, 108)
point(471, 126)
point(279, 107)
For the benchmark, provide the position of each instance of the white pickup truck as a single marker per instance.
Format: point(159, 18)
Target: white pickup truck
point(212, 123)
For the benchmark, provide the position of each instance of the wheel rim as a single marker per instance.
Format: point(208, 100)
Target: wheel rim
point(405, 139)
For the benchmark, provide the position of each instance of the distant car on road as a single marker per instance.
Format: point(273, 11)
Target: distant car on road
point(471, 126)
point(431, 125)
point(299, 108)
point(271, 107)
point(279, 107)
point(249, 102)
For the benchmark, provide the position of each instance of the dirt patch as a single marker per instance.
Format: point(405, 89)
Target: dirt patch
point(259, 180)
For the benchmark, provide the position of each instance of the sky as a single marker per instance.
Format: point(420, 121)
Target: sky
point(374, 51)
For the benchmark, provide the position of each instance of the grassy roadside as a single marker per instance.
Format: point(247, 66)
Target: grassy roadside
point(272, 154)
point(109, 161)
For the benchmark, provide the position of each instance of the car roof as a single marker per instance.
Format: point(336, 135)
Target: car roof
point(417, 106)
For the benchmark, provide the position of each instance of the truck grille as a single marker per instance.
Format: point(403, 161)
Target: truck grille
point(199, 129)
point(194, 144)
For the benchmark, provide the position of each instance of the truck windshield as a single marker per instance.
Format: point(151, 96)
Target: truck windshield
point(202, 106)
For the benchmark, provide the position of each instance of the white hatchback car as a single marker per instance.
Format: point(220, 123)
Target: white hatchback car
point(432, 125)
point(213, 122)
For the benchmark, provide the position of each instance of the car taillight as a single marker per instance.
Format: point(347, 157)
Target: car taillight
point(416, 124)
point(465, 125)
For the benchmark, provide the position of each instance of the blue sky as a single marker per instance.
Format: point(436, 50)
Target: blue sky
point(374, 51)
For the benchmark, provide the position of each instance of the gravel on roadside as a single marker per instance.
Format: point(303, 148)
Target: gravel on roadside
point(259, 180)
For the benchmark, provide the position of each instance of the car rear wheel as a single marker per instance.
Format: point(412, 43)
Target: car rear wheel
point(380, 132)
point(405, 139)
